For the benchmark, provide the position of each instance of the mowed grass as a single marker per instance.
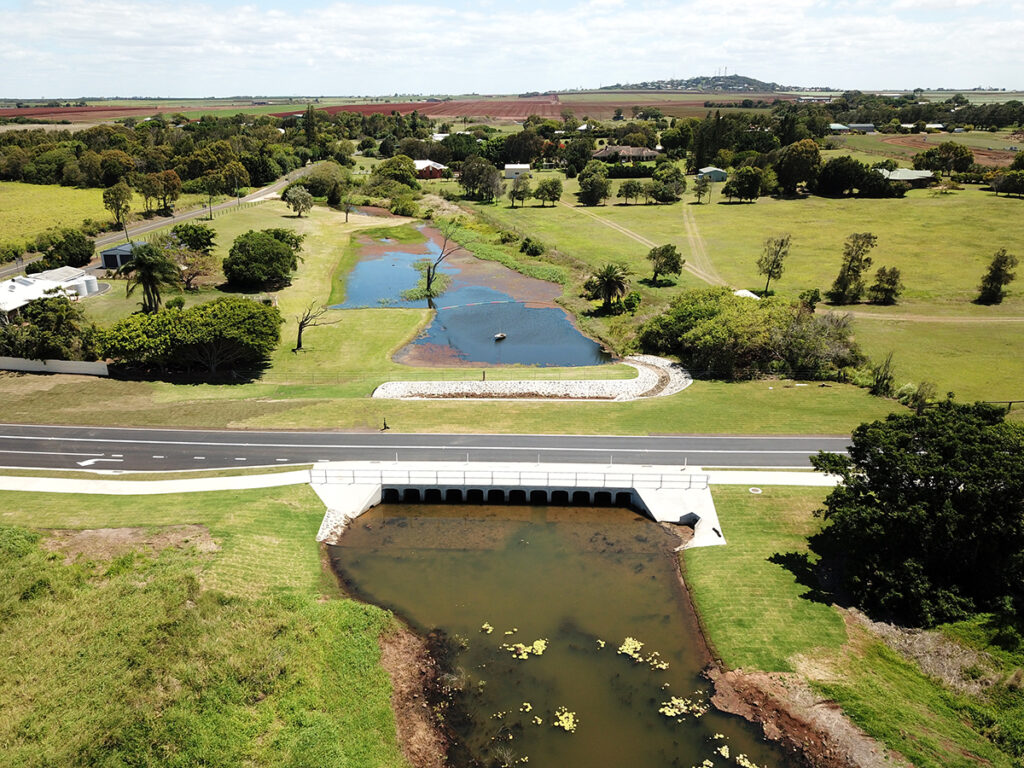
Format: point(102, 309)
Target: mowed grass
point(976, 361)
point(754, 612)
point(243, 656)
point(758, 617)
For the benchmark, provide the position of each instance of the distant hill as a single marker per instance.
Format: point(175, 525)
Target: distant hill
point(718, 83)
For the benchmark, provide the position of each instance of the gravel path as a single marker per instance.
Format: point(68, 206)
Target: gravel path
point(656, 377)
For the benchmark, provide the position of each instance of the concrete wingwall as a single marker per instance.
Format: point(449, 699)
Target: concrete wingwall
point(53, 366)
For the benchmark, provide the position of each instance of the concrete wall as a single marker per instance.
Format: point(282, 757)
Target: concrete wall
point(53, 366)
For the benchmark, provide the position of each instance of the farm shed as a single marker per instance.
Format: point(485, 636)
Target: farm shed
point(515, 170)
point(712, 174)
point(863, 127)
point(428, 169)
point(912, 177)
point(838, 128)
point(118, 256)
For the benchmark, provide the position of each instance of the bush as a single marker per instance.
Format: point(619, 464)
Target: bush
point(258, 261)
point(531, 247)
point(404, 206)
point(727, 336)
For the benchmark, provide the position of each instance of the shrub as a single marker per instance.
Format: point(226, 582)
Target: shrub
point(258, 260)
point(531, 247)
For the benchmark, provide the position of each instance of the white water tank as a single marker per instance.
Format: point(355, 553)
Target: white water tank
point(92, 285)
point(77, 287)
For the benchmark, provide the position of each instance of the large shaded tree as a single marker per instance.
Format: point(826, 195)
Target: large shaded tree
point(928, 523)
point(258, 260)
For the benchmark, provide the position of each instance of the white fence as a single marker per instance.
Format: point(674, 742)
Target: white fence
point(53, 366)
point(509, 478)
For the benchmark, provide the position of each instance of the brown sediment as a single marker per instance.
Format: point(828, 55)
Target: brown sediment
point(413, 673)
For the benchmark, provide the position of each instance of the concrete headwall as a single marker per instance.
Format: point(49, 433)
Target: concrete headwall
point(53, 366)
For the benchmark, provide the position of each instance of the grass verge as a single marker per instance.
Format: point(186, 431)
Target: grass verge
point(182, 658)
point(758, 616)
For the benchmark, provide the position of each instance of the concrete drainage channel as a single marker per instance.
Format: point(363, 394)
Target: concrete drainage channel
point(656, 377)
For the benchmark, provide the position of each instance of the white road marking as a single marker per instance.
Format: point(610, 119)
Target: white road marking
point(52, 453)
point(90, 462)
point(201, 458)
point(393, 447)
point(155, 457)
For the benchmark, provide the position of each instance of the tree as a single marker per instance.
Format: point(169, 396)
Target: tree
point(213, 184)
point(229, 332)
point(521, 189)
point(1000, 274)
point(448, 247)
point(609, 283)
point(594, 184)
point(312, 317)
point(197, 237)
point(666, 260)
point(399, 168)
point(773, 257)
point(670, 181)
point(848, 287)
point(744, 184)
point(841, 176)
point(927, 525)
point(797, 164)
point(702, 188)
point(945, 158)
point(117, 199)
point(257, 261)
point(170, 189)
point(631, 189)
point(479, 177)
point(193, 262)
point(887, 286)
point(50, 328)
point(235, 177)
point(298, 199)
point(150, 270)
point(548, 190)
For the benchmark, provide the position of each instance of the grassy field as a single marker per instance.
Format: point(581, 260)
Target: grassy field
point(329, 383)
point(941, 243)
point(759, 617)
point(245, 655)
point(28, 209)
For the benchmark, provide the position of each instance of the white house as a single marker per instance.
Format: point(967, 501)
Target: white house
point(515, 170)
point(64, 281)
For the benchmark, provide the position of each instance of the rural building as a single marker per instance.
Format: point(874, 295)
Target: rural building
point(623, 154)
point(118, 256)
point(515, 170)
point(743, 293)
point(838, 128)
point(912, 177)
point(428, 169)
point(712, 174)
point(65, 281)
point(863, 127)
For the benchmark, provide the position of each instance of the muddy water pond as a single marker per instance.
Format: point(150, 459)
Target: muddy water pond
point(483, 299)
point(535, 604)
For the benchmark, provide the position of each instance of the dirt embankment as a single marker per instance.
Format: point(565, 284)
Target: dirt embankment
point(413, 673)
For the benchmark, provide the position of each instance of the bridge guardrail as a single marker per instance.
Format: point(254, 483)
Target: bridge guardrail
point(521, 478)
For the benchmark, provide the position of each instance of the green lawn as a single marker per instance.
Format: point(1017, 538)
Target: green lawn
point(243, 656)
point(977, 361)
point(754, 612)
point(758, 617)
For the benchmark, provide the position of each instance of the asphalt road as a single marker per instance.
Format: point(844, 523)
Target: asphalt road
point(50, 447)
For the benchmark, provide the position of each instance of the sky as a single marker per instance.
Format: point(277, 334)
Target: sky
point(72, 48)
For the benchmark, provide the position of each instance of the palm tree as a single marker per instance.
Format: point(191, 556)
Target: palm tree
point(151, 269)
point(610, 282)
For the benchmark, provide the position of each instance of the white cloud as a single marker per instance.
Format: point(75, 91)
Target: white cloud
point(76, 47)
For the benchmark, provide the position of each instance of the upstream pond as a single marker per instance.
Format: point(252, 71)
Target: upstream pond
point(538, 606)
point(482, 299)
